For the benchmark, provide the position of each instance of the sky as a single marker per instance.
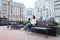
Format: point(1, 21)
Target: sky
point(27, 3)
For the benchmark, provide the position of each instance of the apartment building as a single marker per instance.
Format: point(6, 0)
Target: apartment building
point(5, 8)
point(0, 8)
point(28, 12)
point(57, 10)
point(15, 12)
point(44, 9)
point(11, 10)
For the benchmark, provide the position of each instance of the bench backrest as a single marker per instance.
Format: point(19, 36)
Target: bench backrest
point(44, 23)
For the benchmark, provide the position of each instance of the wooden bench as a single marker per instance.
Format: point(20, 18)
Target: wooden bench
point(43, 28)
point(40, 28)
point(16, 26)
point(47, 31)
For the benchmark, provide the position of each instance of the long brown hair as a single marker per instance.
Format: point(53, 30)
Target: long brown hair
point(33, 16)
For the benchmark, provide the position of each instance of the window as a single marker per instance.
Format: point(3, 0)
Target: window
point(4, 1)
point(57, 4)
point(29, 12)
point(4, 4)
point(57, 1)
point(38, 10)
point(47, 15)
point(4, 16)
point(57, 8)
point(50, 14)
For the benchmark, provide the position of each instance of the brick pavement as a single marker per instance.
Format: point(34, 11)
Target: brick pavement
point(7, 34)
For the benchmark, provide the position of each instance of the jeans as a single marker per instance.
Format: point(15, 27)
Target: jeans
point(28, 26)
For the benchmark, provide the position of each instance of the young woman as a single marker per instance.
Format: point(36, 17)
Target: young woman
point(31, 24)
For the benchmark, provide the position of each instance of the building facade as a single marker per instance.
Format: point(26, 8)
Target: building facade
point(0, 8)
point(57, 10)
point(15, 12)
point(28, 12)
point(11, 10)
point(44, 9)
point(5, 8)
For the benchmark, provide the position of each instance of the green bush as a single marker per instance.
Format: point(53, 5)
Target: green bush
point(25, 22)
point(58, 30)
point(55, 23)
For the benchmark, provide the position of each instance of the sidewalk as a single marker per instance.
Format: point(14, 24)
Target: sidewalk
point(6, 34)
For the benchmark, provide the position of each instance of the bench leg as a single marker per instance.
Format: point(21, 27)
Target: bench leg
point(46, 33)
point(27, 31)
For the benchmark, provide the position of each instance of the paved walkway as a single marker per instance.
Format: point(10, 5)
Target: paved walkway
point(7, 34)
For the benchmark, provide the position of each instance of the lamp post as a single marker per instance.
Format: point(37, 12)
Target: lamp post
point(8, 21)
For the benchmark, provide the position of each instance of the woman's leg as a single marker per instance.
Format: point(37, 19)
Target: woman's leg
point(27, 26)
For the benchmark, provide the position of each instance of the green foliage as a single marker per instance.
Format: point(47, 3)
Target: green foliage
point(55, 23)
point(58, 30)
point(25, 22)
